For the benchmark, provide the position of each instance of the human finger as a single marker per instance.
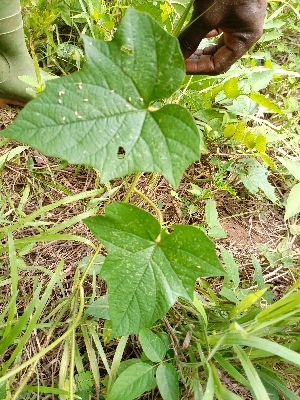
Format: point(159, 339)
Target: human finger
point(214, 33)
point(218, 59)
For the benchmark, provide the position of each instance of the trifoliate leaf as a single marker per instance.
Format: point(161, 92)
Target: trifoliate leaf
point(104, 116)
point(148, 268)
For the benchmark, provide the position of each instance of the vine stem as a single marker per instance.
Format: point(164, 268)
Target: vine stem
point(153, 205)
point(132, 187)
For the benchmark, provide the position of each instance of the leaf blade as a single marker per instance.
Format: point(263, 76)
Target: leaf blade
point(146, 269)
point(133, 382)
point(152, 345)
point(167, 381)
point(88, 116)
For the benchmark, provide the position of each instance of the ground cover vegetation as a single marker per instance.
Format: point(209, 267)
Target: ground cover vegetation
point(131, 267)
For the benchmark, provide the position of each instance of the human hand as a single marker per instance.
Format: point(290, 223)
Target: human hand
point(241, 22)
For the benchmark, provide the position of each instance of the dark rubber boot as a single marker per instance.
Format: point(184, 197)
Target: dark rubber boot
point(14, 57)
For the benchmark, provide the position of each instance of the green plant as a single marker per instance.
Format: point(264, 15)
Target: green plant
point(241, 332)
point(110, 116)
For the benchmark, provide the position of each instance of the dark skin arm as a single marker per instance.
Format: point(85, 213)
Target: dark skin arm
point(241, 22)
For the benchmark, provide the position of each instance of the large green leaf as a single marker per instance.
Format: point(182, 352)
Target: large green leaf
point(147, 269)
point(167, 381)
point(104, 116)
point(134, 381)
point(152, 345)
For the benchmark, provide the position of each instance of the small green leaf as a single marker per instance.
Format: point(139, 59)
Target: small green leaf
point(268, 160)
point(211, 216)
point(240, 132)
point(292, 166)
point(294, 229)
point(91, 116)
point(147, 269)
point(265, 102)
point(258, 272)
point(84, 380)
point(231, 88)
point(232, 267)
point(98, 308)
point(228, 293)
point(134, 381)
point(167, 381)
point(217, 232)
point(250, 140)
point(247, 302)
point(152, 345)
point(229, 131)
point(199, 307)
point(9, 155)
point(293, 202)
point(260, 80)
point(261, 143)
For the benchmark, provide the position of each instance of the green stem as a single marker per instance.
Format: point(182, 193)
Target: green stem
point(92, 260)
point(153, 205)
point(132, 187)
